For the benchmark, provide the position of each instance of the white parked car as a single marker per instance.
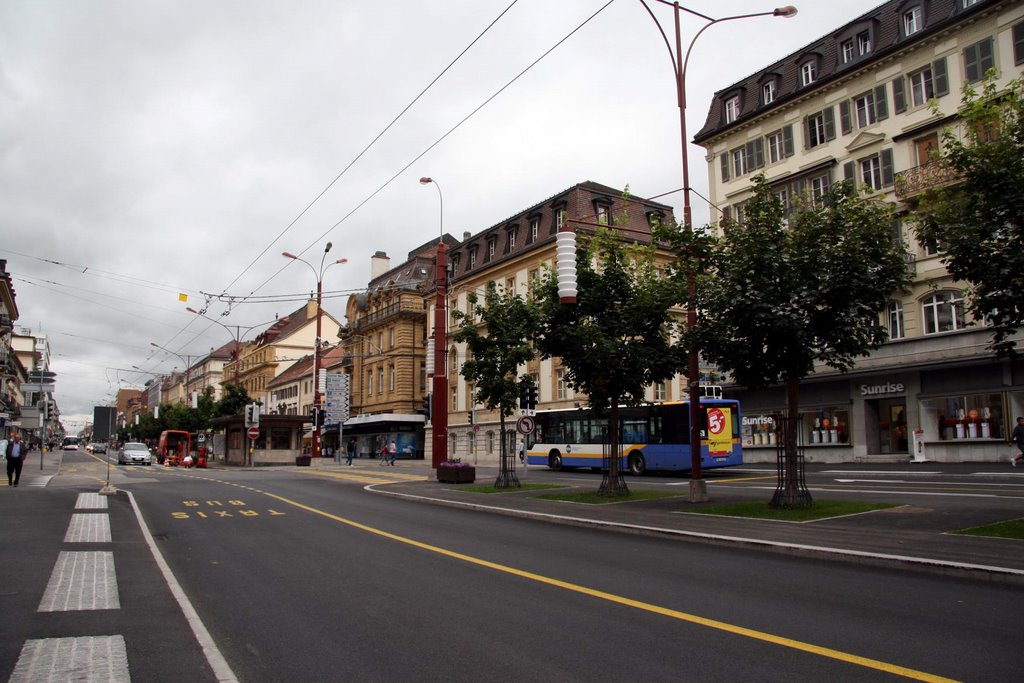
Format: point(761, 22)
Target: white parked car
point(133, 453)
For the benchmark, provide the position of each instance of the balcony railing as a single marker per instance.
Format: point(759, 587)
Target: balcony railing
point(922, 178)
point(384, 314)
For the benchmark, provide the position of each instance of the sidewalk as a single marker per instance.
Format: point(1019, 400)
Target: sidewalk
point(914, 535)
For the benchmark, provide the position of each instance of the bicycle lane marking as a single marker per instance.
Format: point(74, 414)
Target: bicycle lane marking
point(715, 624)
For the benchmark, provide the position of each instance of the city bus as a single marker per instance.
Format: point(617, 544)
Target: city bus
point(654, 437)
point(70, 443)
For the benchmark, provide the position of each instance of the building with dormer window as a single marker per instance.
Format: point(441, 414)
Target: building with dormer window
point(856, 105)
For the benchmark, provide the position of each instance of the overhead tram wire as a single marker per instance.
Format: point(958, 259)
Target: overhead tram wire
point(413, 161)
point(439, 141)
point(364, 151)
point(338, 177)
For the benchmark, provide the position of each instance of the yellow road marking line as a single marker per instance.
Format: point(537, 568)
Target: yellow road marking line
point(629, 602)
point(730, 481)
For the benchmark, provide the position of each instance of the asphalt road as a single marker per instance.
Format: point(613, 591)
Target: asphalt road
point(305, 576)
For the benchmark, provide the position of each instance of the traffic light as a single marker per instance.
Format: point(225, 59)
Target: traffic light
point(472, 416)
point(524, 396)
point(531, 399)
point(252, 415)
point(426, 405)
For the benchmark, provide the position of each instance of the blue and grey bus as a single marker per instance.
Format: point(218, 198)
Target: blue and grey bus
point(654, 437)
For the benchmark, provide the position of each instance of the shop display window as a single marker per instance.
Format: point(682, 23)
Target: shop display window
point(827, 426)
point(758, 430)
point(974, 416)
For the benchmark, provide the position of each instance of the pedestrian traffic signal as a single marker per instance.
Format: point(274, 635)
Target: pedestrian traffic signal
point(531, 400)
point(524, 396)
point(426, 405)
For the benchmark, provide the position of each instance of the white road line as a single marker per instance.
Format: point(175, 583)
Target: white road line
point(905, 492)
point(81, 581)
point(221, 668)
point(930, 483)
point(93, 527)
point(99, 659)
point(91, 501)
point(885, 472)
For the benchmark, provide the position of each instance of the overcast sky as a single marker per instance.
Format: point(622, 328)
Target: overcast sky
point(150, 148)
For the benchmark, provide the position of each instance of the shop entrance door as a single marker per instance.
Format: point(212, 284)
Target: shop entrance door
point(892, 427)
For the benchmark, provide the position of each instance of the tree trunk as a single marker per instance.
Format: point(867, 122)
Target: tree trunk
point(791, 491)
point(613, 483)
point(507, 478)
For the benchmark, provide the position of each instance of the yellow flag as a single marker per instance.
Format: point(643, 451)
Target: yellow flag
point(182, 297)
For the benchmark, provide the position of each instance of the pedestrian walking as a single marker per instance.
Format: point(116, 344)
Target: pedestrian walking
point(350, 452)
point(15, 459)
point(392, 450)
point(1018, 438)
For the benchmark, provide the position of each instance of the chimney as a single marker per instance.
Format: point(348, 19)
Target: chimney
point(466, 235)
point(379, 264)
point(311, 309)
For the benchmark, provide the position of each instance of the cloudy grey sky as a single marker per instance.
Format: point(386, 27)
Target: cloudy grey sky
point(150, 147)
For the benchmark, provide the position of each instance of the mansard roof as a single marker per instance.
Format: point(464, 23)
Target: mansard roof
point(885, 28)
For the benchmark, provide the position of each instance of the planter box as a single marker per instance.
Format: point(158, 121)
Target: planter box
point(303, 460)
point(456, 475)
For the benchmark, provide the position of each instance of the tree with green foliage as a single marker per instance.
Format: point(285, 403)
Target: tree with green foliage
point(978, 222)
point(616, 340)
point(788, 294)
point(497, 334)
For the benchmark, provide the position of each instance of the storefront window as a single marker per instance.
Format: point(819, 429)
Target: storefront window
point(758, 430)
point(827, 425)
point(974, 416)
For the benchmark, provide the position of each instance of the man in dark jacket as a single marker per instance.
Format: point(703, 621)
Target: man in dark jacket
point(15, 459)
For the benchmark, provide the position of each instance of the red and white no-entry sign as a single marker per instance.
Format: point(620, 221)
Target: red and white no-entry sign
point(253, 433)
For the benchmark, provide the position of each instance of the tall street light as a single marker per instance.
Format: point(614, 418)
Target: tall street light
point(439, 405)
point(187, 360)
point(316, 346)
point(236, 335)
point(698, 487)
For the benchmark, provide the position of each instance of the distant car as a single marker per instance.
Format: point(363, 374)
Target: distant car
point(134, 454)
point(97, 447)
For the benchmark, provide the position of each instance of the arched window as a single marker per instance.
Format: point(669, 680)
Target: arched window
point(943, 312)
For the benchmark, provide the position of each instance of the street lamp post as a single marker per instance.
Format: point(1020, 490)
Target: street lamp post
point(236, 335)
point(186, 359)
point(439, 406)
point(316, 345)
point(698, 487)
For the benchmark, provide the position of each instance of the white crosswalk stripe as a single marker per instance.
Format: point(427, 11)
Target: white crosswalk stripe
point(99, 659)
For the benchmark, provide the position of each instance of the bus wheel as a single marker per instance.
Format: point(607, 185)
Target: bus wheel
point(637, 465)
point(554, 461)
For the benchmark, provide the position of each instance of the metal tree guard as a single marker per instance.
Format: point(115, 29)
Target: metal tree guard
point(791, 491)
point(610, 486)
point(507, 478)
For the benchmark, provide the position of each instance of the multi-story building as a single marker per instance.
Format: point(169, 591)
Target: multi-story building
point(208, 372)
point(276, 348)
point(385, 340)
point(12, 373)
point(867, 104)
point(389, 326)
